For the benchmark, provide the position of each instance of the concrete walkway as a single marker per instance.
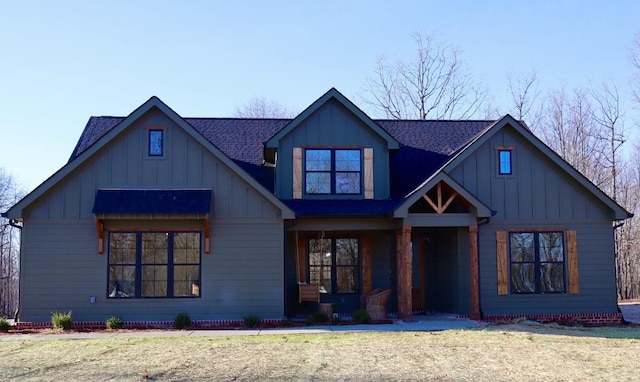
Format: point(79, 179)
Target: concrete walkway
point(426, 323)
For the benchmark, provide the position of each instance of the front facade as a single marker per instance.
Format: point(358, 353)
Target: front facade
point(156, 214)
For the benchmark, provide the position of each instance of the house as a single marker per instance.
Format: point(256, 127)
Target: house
point(156, 214)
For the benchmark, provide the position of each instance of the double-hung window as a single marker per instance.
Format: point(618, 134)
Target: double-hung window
point(333, 171)
point(154, 264)
point(334, 265)
point(537, 262)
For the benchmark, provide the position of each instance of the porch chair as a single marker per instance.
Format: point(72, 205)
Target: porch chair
point(308, 292)
point(376, 303)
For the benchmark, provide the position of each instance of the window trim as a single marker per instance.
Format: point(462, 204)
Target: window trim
point(334, 266)
point(333, 172)
point(499, 170)
point(170, 264)
point(163, 141)
point(537, 263)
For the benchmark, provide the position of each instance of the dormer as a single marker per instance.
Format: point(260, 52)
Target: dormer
point(332, 150)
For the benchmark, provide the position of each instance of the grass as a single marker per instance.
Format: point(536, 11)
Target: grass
point(505, 353)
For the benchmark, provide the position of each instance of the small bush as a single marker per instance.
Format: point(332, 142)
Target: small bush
point(61, 320)
point(361, 317)
point(320, 317)
point(182, 321)
point(4, 324)
point(310, 320)
point(336, 320)
point(286, 323)
point(252, 321)
point(114, 322)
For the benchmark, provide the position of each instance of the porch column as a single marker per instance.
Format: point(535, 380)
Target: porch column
point(403, 258)
point(474, 282)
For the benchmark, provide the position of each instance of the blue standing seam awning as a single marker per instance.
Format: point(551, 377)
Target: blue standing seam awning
point(132, 202)
point(152, 201)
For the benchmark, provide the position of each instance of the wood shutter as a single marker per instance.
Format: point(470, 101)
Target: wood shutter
point(503, 267)
point(572, 262)
point(297, 172)
point(366, 265)
point(368, 173)
point(301, 257)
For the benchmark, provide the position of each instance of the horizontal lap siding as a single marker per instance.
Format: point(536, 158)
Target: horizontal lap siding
point(239, 276)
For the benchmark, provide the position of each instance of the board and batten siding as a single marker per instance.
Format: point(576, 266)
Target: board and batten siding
point(332, 126)
point(539, 195)
point(61, 268)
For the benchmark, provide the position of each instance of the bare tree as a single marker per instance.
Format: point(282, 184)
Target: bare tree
point(569, 128)
point(9, 248)
point(435, 84)
point(525, 94)
point(635, 61)
point(608, 117)
point(261, 107)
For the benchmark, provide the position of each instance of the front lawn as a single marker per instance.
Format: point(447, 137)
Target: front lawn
point(497, 352)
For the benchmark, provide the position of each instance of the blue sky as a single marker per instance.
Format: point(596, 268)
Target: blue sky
point(64, 61)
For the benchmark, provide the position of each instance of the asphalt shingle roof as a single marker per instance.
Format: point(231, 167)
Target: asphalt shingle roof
point(425, 147)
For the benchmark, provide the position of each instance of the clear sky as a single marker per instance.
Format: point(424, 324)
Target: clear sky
point(64, 61)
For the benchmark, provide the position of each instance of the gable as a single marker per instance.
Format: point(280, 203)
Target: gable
point(543, 186)
point(119, 158)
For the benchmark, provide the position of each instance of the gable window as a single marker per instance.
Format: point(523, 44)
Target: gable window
point(537, 262)
point(156, 143)
point(334, 265)
point(504, 162)
point(333, 171)
point(154, 264)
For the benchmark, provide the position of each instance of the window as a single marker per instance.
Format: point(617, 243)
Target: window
point(537, 262)
point(154, 264)
point(156, 143)
point(334, 265)
point(504, 162)
point(333, 171)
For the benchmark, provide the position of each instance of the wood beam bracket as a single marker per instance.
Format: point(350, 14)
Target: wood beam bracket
point(100, 229)
point(207, 235)
point(438, 206)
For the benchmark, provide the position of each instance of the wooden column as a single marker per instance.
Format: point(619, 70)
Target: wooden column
point(403, 259)
point(474, 281)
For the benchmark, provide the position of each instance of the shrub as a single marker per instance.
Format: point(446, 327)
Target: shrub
point(361, 317)
point(336, 320)
point(61, 320)
point(310, 320)
point(182, 321)
point(287, 323)
point(4, 324)
point(252, 321)
point(320, 317)
point(114, 322)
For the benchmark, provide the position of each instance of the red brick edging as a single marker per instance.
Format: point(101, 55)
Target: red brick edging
point(587, 319)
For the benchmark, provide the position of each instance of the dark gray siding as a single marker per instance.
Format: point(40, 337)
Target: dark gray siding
point(596, 272)
point(332, 125)
point(61, 268)
point(539, 195)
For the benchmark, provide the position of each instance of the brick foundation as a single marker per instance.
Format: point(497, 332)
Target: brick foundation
point(99, 325)
point(585, 319)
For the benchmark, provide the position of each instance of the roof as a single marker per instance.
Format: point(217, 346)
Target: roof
point(420, 150)
point(424, 145)
point(152, 201)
